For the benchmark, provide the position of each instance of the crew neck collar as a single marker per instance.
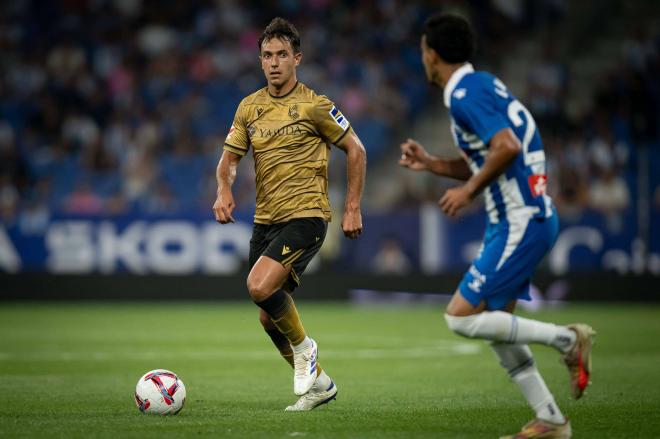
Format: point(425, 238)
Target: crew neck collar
point(284, 95)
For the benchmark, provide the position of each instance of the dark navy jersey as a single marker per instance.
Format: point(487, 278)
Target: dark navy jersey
point(480, 105)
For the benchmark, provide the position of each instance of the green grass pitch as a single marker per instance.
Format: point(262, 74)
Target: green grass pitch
point(69, 371)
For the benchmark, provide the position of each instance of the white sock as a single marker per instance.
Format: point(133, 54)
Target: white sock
point(538, 396)
point(323, 381)
point(519, 363)
point(306, 343)
point(504, 327)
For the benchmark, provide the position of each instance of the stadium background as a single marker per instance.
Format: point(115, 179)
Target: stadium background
point(113, 113)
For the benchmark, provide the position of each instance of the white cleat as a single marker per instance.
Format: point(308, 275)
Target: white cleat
point(314, 398)
point(304, 373)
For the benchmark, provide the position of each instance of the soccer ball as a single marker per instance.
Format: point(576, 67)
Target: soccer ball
point(160, 392)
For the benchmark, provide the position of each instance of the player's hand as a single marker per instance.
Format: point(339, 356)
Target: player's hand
point(455, 199)
point(414, 156)
point(223, 207)
point(351, 224)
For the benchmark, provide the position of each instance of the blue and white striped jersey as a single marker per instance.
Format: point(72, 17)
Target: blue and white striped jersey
point(480, 105)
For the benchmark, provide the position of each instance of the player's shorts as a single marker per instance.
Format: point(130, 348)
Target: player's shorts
point(509, 256)
point(293, 243)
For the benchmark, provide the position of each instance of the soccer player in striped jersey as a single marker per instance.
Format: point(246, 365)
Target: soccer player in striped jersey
point(503, 157)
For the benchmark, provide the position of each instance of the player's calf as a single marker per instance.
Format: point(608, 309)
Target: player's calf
point(517, 360)
point(505, 327)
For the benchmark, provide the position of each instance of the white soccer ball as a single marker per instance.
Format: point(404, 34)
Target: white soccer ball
point(160, 392)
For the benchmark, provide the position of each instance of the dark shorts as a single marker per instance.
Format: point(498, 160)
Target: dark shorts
point(293, 243)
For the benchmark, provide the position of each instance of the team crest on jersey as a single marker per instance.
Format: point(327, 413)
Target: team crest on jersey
point(293, 112)
point(259, 111)
point(251, 130)
point(339, 118)
point(460, 93)
point(538, 184)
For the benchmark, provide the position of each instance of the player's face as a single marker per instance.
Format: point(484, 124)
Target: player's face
point(428, 59)
point(279, 62)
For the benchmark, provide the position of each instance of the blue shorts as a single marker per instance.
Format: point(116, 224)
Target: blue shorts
point(510, 253)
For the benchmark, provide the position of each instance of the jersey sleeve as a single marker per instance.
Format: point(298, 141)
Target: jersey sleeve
point(477, 112)
point(237, 140)
point(329, 121)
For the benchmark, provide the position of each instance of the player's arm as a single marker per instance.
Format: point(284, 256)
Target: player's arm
point(356, 163)
point(225, 174)
point(415, 157)
point(503, 148)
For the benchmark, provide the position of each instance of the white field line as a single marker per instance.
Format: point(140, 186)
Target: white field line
point(439, 349)
point(131, 336)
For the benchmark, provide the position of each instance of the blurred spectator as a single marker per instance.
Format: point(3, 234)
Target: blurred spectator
point(638, 50)
point(572, 196)
point(354, 101)
point(34, 217)
point(138, 176)
point(83, 201)
point(12, 166)
point(390, 258)
point(8, 200)
point(156, 39)
point(547, 88)
point(575, 153)
point(160, 199)
point(609, 194)
point(605, 153)
point(65, 61)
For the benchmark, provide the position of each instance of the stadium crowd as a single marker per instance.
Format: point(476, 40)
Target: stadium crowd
point(593, 156)
point(115, 106)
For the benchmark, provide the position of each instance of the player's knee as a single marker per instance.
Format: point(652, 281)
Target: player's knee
point(257, 289)
point(462, 325)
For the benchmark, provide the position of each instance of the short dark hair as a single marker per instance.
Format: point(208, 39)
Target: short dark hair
point(451, 37)
point(282, 29)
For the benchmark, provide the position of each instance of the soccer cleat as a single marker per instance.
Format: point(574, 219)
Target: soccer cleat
point(314, 398)
point(539, 428)
point(304, 373)
point(578, 359)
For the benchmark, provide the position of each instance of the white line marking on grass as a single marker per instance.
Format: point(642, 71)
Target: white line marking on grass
point(437, 349)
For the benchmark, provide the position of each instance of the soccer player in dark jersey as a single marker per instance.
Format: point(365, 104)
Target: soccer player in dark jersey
point(290, 129)
point(503, 157)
